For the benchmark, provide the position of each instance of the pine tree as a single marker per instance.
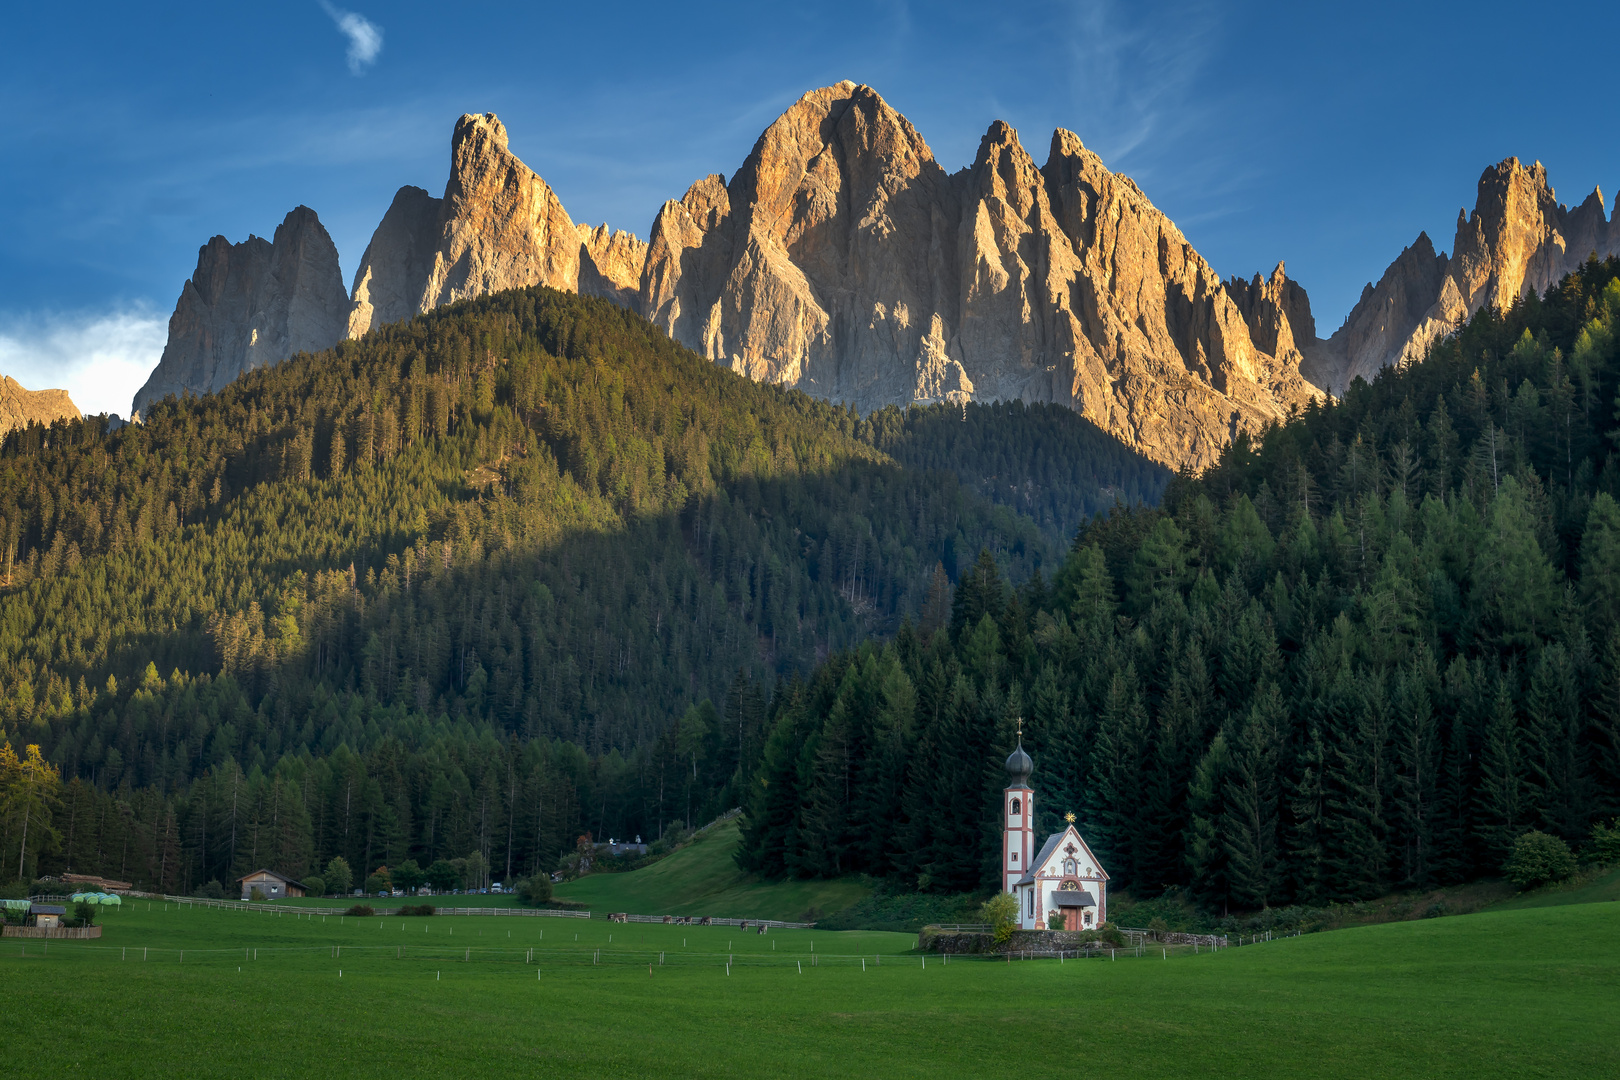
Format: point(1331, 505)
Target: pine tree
point(980, 594)
point(1504, 809)
point(1557, 748)
point(1206, 852)
point(1117, 766)
point(1249, 821)
point(1417, 753)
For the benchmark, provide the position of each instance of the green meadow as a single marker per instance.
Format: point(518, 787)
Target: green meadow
point(205, 992)
point(702, 878)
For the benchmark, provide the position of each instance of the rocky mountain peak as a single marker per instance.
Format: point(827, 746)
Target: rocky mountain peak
point(843, 260)
point(250, 305)
point(499, 226)
point(1518, 239)
point(20, 407)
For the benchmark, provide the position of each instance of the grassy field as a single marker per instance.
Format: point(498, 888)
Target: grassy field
point(702, 879)
point(1502, 994)
point(1587, 887)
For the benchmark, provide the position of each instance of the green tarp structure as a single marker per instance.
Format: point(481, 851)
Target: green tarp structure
point(101, 898)
point(16, 905)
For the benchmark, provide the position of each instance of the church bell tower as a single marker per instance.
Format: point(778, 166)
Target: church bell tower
point(1018, 811)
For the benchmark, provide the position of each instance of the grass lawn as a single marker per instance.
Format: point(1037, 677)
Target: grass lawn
point(1588, 887)
point(702, 879)
point(1502, 994)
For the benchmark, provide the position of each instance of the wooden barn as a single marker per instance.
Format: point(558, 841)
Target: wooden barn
point(274, 886)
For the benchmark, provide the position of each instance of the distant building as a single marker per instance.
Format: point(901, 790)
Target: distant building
point(46, 916)
point(623, 847)
point(274, 886)
point(1063, 877)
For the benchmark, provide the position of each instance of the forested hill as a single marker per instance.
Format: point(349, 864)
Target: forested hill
point(1367, 653)
point(460, 579)
point(1044, 460)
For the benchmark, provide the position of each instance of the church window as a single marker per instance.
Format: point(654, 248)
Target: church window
point(1031, 895)
point(1088, 918)
point(1015, 856)
point(1017, 806)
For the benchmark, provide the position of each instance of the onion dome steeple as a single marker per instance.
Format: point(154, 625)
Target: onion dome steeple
point(1019, 765)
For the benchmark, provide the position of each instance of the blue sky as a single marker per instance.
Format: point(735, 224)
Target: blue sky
point(1325, 136)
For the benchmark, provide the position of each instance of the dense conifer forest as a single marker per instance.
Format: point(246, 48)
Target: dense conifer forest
point(1364, 653)
point(468, 584)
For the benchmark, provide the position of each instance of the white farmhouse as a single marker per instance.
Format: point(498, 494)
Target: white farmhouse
point(1063, 876)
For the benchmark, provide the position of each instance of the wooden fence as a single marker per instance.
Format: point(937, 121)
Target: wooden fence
point(1139, 936)
point(549, 913)
point(81, 933)
point(300, 909)
point(707, 920)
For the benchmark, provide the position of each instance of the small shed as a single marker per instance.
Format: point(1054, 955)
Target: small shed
point(274, 886)
point(46, 916)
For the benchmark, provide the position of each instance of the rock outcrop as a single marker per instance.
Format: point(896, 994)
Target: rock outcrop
point(499, 226)
point(1518, 240)
point(20, 407)
point(250, 305)
point(843, 260)
point(610, 265)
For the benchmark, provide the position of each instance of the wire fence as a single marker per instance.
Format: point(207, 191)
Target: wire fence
point(306, 909)
point(705, 920)
point(376, 957)
point(548, 913)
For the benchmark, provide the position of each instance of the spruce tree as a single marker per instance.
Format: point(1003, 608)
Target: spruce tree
point(1250, 818)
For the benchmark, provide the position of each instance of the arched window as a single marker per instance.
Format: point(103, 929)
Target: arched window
point(1031, 895)
point(1017, 807)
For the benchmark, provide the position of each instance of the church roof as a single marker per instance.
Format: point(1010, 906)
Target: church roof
point(1040, 860)
point(1082, 898)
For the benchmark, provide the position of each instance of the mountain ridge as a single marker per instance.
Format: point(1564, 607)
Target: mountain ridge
point(843, 259)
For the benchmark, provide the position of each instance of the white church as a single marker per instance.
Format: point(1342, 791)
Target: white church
point(1063, 877)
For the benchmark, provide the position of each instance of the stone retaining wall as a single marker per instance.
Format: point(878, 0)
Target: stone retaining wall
point(961, 942)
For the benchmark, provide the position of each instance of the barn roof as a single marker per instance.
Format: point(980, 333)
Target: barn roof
point(272, 873)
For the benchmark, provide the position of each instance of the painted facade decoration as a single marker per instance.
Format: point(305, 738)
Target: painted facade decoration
point(1063, 877)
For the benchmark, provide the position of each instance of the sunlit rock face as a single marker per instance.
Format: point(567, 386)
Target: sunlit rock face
point(1518, 240)
point(843, 260)
point(20, 407)
point(250, 305)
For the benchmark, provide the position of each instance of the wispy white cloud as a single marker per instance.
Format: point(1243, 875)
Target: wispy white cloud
point(365, 37)
point(99, 358)
point(1141, 83)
